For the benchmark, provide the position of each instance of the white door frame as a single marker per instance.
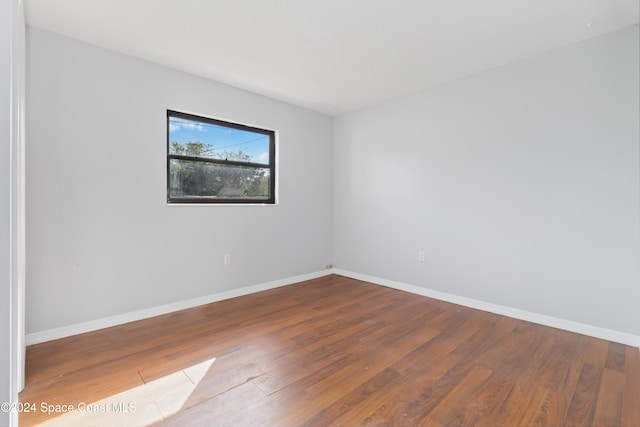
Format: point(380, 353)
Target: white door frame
point(18, 192)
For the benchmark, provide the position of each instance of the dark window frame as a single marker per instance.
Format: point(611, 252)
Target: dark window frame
point(271, 200)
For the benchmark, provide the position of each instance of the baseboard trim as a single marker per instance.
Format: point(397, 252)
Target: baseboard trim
point(107, 322)
point(567, 325)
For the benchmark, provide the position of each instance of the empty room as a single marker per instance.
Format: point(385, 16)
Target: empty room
point(320, 213)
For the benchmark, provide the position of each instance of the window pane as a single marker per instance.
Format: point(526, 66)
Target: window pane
point(208, 140)
point(191, 179)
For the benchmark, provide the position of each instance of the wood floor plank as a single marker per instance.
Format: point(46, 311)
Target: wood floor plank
point(313, 351)
point(615, 357)
point(609, 406)
point(553, 373)
point(334, 351)
point(479, 406)
point(545, 406)
point(597, 352)
point(360, 371)
point(577, 360)
point(348, 372)
point(353, 398)
point(631, 394)
point(430, 366)
point(451, 409)
point(404, 399)
point(227, 409)
point(584, 400)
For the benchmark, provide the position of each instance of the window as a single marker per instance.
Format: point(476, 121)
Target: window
point(212, 161)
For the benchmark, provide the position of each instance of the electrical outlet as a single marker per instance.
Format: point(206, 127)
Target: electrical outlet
point(227, 259)
point(421, 256)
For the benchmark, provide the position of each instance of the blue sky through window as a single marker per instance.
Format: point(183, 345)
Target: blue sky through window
point(220, 139)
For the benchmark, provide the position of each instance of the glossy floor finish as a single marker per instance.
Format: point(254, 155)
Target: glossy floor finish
point(332, 351)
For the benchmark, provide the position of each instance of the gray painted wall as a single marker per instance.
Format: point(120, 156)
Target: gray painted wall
point(520, 184)
point(101, 240)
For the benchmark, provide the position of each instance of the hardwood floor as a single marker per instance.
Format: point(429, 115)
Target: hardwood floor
point(332, 352)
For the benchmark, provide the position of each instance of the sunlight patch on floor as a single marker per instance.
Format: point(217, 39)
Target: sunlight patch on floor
point(136, 407)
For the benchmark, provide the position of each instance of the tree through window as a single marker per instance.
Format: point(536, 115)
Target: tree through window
point(213, 161)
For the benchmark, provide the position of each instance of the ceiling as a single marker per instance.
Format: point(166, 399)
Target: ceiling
point(332, 56)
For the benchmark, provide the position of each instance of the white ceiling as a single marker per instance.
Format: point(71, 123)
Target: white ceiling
point(332, 56)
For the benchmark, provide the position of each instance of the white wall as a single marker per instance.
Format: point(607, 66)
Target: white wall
point(521, 184)
point(5, 207)
point(101, 239)
point(11, 208)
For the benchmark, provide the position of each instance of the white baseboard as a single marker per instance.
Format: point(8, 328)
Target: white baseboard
point(106, 322)
point(581, 328)
point(567, 325)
